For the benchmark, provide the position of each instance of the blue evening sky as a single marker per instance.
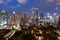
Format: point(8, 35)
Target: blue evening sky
point(44, 6)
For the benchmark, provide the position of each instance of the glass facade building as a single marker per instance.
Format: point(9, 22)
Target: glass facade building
point(3, 18)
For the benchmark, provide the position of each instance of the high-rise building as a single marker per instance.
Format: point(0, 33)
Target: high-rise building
point(21, 19)
point(51, 19)
point(18, 21)
point(33, 15)
point(42, 18)
point(55, 17)
point(13, 20)
point(59, 18)
point(58, 24)
point(32, 18)
point(47, 18)
point(25, 18)
point(3, 18)
point(37, 16)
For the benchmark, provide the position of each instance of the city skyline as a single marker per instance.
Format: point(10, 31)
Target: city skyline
point(47, 6)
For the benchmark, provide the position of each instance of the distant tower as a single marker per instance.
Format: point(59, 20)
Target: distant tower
point(13, 20)
point(48, 17)
point(54, 15)
point(59, 18)
point(55, 19)
point(18, 27)
point(36, 15)
point(33, 15)
point(9, 20)
point(58, 25)
point(25, 18)
point(42, 17)
point(4, 18)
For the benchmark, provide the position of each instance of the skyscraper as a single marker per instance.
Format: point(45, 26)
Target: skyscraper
point(37, 16)
point(42, 17)
point(3, 18)
point(59, 18)
point(55, 17)
point(48, 18)
point(13, 20)
point(58, 25)
point(18, 27)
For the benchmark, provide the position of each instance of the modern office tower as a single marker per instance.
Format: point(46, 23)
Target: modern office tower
point(37, 16)
point(13, 20)
point(47, 18)
point(18, 27)
point(42, 18)
point(0, 20)
point(25, 18)
point(51, 19)
point(9, 21)
point(55, 17)
point(21, 19)
point(33, 17)
point(3, 18)
point(58, 24)
point(59, 18)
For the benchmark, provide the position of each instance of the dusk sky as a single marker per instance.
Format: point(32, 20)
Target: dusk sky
point(44, 6)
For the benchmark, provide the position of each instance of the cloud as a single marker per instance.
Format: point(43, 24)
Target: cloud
point(21, 1)
point(57, 2)
point(18, 5)
point(1, 1)
point(10, 7)
point(5, 1)
point(50, 0)
point(57, 8)
point(8, 0)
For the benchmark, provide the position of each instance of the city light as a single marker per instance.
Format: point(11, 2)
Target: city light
point(38, 25)
point(29, 19)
